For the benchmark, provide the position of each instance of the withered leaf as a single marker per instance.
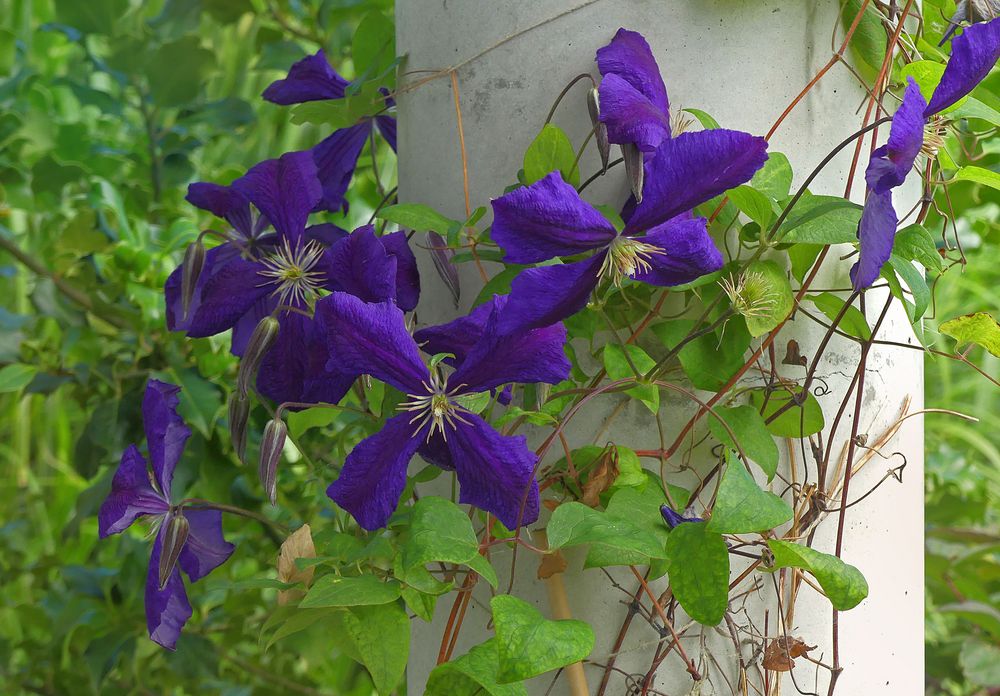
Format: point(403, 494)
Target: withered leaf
point(792, 354)
point(551, 564)
point(779, 654)
point(299, 544)
point(601, 477)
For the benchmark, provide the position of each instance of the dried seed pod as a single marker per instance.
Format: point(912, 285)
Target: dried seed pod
point(271, 445)
point(239, 415)
point(194, 262)
point(600, 130)
point(261, 340)
point(634, 169)
point(175, 534)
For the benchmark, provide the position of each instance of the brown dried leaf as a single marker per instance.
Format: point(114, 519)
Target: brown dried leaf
point(550, 504)
point(299, 544)
point(793, 356)
point(601, 477)
point(551, 564)
point(779, 653)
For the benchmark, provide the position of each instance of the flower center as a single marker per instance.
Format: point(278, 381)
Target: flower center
point(933, 136)
point(750, 294)
point(626, 256)
point(436, 407)
point(679, 122)
point(291, 271)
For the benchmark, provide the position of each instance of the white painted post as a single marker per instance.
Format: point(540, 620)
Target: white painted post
point(742, 61)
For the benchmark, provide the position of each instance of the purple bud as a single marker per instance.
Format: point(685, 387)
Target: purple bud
point(175, 534)
point(194, 261)
point(239, 414)
point(600, 130)
point(261, 340)
point(634, 169)
point(673, 519)
point(271, 445)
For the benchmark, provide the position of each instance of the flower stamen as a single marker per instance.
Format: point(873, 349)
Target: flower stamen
point(750, 294)
point(436, 407)
point(291, 270)
point(625, 257)
point(934, 133)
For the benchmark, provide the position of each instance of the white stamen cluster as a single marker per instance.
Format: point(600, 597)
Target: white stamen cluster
point(625, 256)
point(680, 122)
point(436, 407)
point(291, 271)
point(933, 137)
point(750, 294)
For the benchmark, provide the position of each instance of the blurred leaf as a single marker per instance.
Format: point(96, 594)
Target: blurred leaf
point(15, 377)
point(91, 16)
point(177, 71)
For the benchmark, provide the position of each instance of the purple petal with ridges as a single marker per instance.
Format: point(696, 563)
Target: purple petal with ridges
point(407, 273)
point(295, 368)
point(310, 79)
point(131, 495)
point(336, 158)
point(374, 473)
point(629, 57)
point(435, 451)
point(167, 610)
point(166, 433)
point(876, 233)
point(244, 328)
point(215, 259)
point(534, 355)
point(692, 168)
point(630, 117)
point(546, 295)
point(495, 472)
point(224, 202)
point(458, 336)
point(326, 233)
point(285, 190)
point(973, 55)
point(387, 127)
point(360, 265)
point(205, 549)
point(891, 163)
point(371, 338)
point(688, 252)
point(545, 220)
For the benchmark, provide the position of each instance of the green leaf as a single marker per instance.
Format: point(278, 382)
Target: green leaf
point(374, 46)
point(803, 256)
point(381, 636)
point(752, 203)
point(751, 433)
point(617, 368)
point(853, 322)
point(641, 507)
point(980, 662)
point(710, 360)
point(699, 571)
point(528, 644)
point(741, 506)
point(821, 220)
point(574, 523)
point(979, 175)
point(416, 216)
point(441, 531)
point(550, 151)
point(177, 71)
point(983, 615)
point(979, 328)
point(800, 420)
point(843, 584)
point(776, 298)
point(915, 281)
point(706, 121)
point(868, 43)
point(16, 377)
point(916, 243)
point(774, 179)
point(335, 591)
point(341, 113)
point(472, 674)
point(92, 16)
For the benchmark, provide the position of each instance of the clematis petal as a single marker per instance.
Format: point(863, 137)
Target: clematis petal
point(435, 451)
point(876, 233)
point(973, 55)
point(229, 286)
point(131, 495)
point(526, 356)
point(688, 252)
point(295, 368)
point(166, 433)
point(285, 190)
point(387, 127)
point(630, 116)
point(545, 295)
point(692, 168)
point(374, 473)
point(326, 233)
point(205, 549)
point(407, 274)
point(545, 220)
point(224, 202)
point(310, 79)
point(336, 158)
point(629, 57)
point(167, 610)
point(371, 338)
point(495, 472)
point(457, 336)
point(891, 163)
point(243, 329)
point(360, 265)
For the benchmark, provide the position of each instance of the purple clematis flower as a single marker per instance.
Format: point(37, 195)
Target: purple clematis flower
point(662, 243)
point(914, 130)
point(313, 79)
point(186, 537)
point(674, 519)
point(495, 471)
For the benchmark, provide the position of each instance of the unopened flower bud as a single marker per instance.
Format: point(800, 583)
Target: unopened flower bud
point(261, 340)
point(271, 445)
point(600, 130)
point(194, 261)
point(634, 169)
point(239, 414)
point(175, 534)
point(673, 519)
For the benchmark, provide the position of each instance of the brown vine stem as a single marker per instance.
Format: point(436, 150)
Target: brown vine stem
point(688, 663)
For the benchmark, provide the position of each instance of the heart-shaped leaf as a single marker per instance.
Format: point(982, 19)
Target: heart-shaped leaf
point(528, 644)
point(843, 583)
point(741, 506)
point(699, 571)
point(472, 674)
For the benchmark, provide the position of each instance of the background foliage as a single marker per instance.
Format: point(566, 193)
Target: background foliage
point(107, 110)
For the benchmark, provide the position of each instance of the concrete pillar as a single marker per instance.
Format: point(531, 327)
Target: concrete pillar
point(742, 61)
